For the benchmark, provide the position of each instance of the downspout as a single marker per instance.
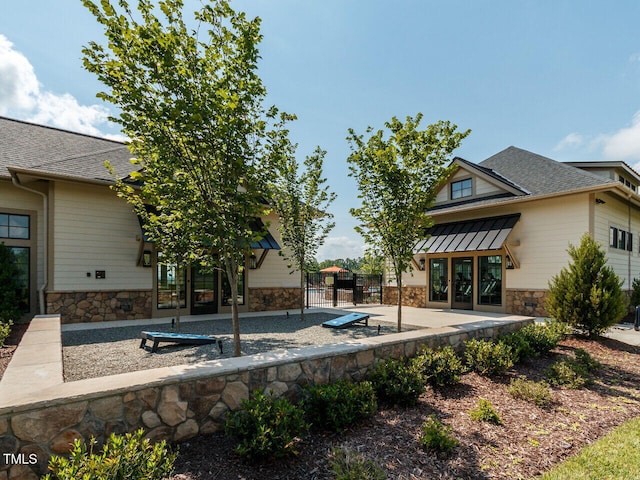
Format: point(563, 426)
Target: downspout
point(45, 206)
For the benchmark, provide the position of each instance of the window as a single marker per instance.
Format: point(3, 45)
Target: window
point(461, 188)
point(438, 273)
point(226, 288)
point(14, 226)
point(490, 281)
point(627, 183)
point(620, 239)
point(172, 284)
point(20, 258)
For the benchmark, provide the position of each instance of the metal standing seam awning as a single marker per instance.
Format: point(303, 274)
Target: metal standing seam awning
point(467, 236)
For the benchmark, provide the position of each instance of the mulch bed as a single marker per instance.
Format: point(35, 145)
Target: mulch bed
point(530, 441)
point(10, 344)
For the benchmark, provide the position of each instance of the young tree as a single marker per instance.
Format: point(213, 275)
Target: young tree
point(587, 294)
point(191, 103)
point(397, 178)
point(302, 200)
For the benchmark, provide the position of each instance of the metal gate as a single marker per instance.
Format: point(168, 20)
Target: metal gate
point(342, 289)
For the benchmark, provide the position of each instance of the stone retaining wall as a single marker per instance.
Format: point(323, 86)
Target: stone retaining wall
point(178, 403)
point(412, 296)
point(76, 307)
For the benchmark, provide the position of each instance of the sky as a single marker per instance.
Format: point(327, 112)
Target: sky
point(560, 78)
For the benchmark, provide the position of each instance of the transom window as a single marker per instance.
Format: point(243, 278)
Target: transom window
point(461, 188)
point(14, 226)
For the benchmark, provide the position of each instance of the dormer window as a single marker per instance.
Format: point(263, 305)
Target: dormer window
point(626, 183)
point(461, 189)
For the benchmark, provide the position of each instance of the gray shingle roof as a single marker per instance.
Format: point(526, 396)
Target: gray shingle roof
point(540, 175)
point(532, 174)
point(51, 151)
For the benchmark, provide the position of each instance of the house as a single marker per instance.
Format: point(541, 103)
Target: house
point(503, 226)
point(81, 250)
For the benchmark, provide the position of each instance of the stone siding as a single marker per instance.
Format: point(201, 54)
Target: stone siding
point(178, 403)
point(76, 307)
point(527, 302)
point(412, 296)
point(265, 299)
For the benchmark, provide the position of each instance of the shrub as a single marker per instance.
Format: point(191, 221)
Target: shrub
point(397, 383)
point(537, 393)
point(129, 457)
point(488, 358)
point(485, 412)
point(440, 366)
point(5, 330)
point(266, 427)
point(338, 405)
point(587, 294)
point(437, 436)
point(349, 465)
point(535, 339)
point(573, 372)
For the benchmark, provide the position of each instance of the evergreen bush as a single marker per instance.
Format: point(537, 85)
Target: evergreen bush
point(128, 456)
point(397, 383)
point(349, 465)
point(488, 358)
point(537, 393)
point(439, 366)
point(437, 436)
point(338, 405)
point(587, 294)
point(266, 427)
point(485, 412)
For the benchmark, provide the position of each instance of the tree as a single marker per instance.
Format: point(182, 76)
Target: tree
point(372, 263)
point(587, 294)
point(302, 200)
point(191, 103)
point(397, 179)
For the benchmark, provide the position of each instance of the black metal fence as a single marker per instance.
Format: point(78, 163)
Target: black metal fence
point(342, 289)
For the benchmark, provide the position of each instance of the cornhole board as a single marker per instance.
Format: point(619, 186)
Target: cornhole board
point(347, 320)
point(183, 338)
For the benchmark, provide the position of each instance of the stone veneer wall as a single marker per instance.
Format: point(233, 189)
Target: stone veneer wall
point(178, 403)
point(265, 299)
point(76, 307)
point(527, 302)
point(412, 296)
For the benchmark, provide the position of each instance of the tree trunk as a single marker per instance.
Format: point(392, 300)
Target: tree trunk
point(232, 276)
point(399, 306)
point(178, 290)
point(302, 291)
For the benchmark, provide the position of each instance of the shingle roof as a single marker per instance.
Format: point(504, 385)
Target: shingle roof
point(540, 175)
point(52, 151)
point(532, 174)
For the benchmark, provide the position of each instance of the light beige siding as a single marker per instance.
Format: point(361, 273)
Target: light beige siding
point(481, 187)
point(95, 230)
point(615, 212)
point(274, 271)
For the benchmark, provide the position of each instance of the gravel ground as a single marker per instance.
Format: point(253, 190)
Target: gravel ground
point(109, 351)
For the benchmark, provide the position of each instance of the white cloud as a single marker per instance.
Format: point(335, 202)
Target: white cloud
point(634, 57)
point(340, 247)
point(571, 141)
point(22, 96)
point(623, 144)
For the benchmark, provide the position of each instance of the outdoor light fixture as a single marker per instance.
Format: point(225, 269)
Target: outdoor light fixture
point(509, 263)
point(253, 261)
point(146, 258)
point(422, 263)
point(599, 201)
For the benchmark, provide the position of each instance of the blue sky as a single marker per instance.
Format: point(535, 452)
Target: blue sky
point(559, 78)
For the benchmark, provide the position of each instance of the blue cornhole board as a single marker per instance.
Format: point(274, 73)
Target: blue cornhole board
point(347, 320)
point(183, 338)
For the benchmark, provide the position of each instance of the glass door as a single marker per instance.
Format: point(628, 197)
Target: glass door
point(204, 291)
point(463, 283)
